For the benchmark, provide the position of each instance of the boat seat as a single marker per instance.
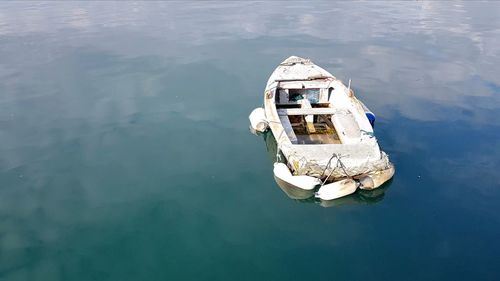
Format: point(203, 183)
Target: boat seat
point(307, 111)
point(347, 127)
point(306, 104)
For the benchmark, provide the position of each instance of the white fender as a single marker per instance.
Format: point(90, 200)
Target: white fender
point(258, 121)
point(375, 180)
point(336, 189)
point(283, 174)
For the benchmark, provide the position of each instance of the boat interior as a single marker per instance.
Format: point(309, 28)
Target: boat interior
point(306, 115)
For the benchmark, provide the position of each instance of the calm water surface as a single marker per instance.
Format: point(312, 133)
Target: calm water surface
point(125, 152)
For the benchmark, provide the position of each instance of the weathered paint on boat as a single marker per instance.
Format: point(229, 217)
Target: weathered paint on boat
point(333, 138)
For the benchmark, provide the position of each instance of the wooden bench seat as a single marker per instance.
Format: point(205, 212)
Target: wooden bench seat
point(306, 111)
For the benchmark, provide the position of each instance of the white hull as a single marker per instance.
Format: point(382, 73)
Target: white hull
point(321, 128)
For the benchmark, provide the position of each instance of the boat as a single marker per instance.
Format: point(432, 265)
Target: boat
point(323, 132)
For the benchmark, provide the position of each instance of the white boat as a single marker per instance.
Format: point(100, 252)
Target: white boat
point(324, 132)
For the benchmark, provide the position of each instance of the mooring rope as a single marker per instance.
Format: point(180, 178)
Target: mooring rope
point(339, 164)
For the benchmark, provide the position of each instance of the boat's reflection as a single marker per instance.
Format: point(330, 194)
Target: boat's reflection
point(307, 196)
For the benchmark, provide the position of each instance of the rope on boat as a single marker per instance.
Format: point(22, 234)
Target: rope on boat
point(339, 164)
point(328, 165)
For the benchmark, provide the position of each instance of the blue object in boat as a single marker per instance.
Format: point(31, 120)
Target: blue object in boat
point(371, 118)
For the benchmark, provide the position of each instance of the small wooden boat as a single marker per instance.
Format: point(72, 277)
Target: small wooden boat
point(324, 132)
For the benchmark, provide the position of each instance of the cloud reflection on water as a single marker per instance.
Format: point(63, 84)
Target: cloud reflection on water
point(93, 95)
point(403, 45)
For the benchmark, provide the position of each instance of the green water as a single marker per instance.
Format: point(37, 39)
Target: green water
point(125, 152)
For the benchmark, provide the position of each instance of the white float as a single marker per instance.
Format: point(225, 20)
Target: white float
point(258, 120)
point(336, 189)
point(283, 176)
point(376, 179)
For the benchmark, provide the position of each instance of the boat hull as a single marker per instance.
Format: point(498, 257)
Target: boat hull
point(303, 101)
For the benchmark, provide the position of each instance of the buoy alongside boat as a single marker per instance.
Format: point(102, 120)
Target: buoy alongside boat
point(258, 121)
point(369, 114)
point(372, 181)
point(336, 189)
point(283, 176)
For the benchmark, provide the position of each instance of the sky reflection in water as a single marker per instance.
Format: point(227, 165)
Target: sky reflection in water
point(126, 154)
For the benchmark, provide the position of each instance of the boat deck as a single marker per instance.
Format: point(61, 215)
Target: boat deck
point(321, 131)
